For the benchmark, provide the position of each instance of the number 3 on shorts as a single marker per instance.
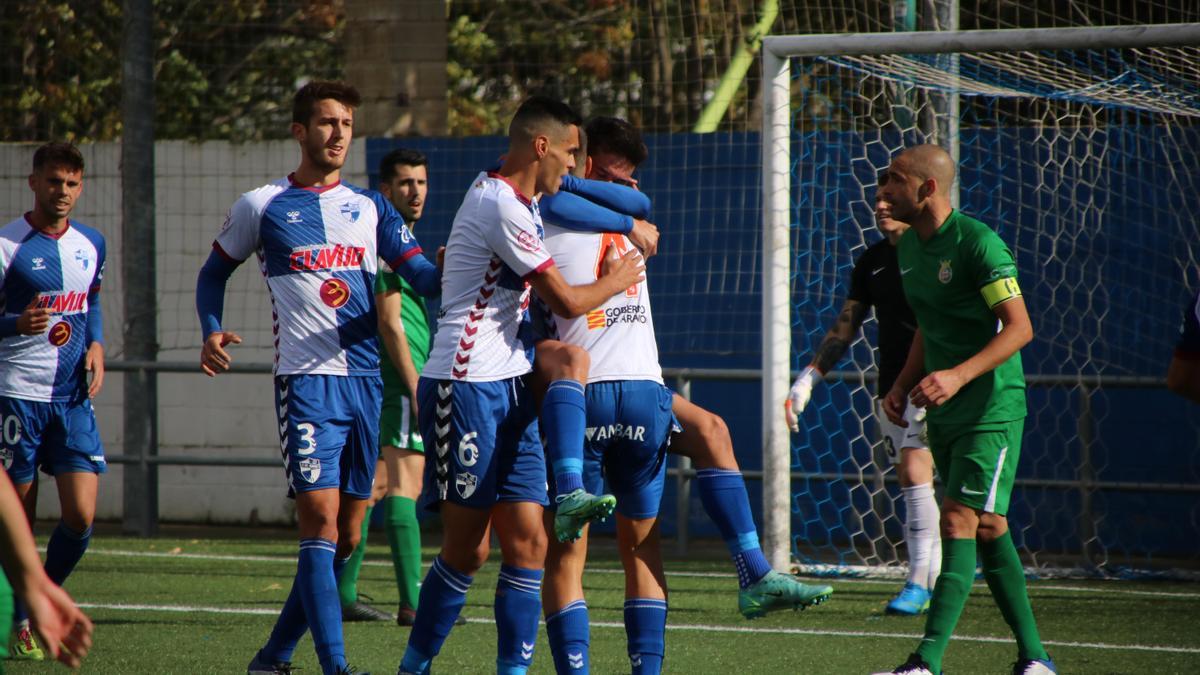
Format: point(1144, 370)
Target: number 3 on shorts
point(306, 437)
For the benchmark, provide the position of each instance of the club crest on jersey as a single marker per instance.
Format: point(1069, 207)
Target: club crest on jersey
point(528, 241)
point(350, 210)
point(310, 469)
point(59, 334)
point(945, 274)
point(335, 292)
point(466, 483)
point(324, 257)
point(39, 264)
point(82, 258)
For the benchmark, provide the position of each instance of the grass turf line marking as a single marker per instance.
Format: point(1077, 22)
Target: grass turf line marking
point(703, 628)
point(601, 570)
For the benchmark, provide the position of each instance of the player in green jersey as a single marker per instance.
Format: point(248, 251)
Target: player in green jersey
point(404, 338)
point(965, 368)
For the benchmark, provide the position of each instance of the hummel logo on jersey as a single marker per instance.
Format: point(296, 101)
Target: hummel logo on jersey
point(526, 650)
point(324, 257)
point(350, 210)
point(968, 491)
point(575, 661)
point(39, 264)
point(293, 217)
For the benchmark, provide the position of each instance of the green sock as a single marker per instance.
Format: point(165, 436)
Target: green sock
point(6, 617)
point(404, 536)
point(1006, 579)
point(949, 597)
point(348, 581)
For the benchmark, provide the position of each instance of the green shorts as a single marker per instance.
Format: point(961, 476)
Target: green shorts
point(978, 461)
point(398, 422)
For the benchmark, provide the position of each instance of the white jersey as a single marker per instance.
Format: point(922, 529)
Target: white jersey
point(318, 248)
point(618, 335)
point(63, 272)
point(495, 244)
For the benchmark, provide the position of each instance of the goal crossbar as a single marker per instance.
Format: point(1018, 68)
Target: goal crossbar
point(776, 163)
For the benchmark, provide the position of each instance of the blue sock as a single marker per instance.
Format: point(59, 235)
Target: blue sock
point(318, 593)
point(563, 422)
point(568, 632)
point(646, 632)
point(290, 626)
point(63, 552)
point(518, 607)
point(443, 594)
point(723, 494)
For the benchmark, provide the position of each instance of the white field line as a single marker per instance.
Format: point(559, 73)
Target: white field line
point(593, 570)
point(686, 627)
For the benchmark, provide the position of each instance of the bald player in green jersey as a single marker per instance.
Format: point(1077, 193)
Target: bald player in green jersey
point(964, 366)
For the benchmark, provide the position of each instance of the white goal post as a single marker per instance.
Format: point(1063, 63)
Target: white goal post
point(778, 170)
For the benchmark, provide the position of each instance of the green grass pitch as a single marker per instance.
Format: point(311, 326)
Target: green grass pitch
point(201, 605)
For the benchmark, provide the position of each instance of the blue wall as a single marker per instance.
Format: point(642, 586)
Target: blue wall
point(1105, 283)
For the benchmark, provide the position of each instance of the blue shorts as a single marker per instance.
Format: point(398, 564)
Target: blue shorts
point(485, 442)
point(56, 437)
point(328, 430)
point(629, 425)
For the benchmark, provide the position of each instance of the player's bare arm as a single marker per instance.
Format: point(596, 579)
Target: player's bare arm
point(833, 346)
point(570, 301)
point(1016, 331)
point(391, 333)
point(896, 399)
point(93, 362)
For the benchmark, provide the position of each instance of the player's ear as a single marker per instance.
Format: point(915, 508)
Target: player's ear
point(541, 145)
point(587, 167)
point(299, 131)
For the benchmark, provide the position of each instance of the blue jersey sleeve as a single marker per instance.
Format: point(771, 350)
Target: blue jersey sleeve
point(619, 198)
point(95, 318)
point(399, 248)
point(210, 291)
point(570, 211)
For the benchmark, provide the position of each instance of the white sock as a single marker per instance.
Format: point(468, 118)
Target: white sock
point(921, 535)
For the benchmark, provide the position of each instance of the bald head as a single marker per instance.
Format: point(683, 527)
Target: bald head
point(930, 161)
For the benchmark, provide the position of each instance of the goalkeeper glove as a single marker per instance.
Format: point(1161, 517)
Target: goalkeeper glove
point(799, 395)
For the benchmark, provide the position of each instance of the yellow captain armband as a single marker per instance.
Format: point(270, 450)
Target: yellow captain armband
point(1000, 290)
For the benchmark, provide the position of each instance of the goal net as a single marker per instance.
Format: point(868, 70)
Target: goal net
point(1080, 147)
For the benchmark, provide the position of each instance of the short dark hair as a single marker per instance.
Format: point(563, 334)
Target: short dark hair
point(402, 156)
point(615, 136)
point(58, 154)
point(538, 110)
point(318, 90)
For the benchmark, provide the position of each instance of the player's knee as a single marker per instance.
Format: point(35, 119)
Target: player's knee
point(717, 446)
point(467, 560)
point(959, 521)
point(557, 361)
point(991, 527)
point(77, 520)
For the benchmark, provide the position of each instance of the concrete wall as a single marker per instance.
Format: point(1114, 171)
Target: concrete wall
point(229, 416)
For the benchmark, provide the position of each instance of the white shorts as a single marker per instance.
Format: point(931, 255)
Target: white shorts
point(895, 437)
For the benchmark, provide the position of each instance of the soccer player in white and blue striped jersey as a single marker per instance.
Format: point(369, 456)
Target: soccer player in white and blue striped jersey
point(317, 241)
point(51, 337)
